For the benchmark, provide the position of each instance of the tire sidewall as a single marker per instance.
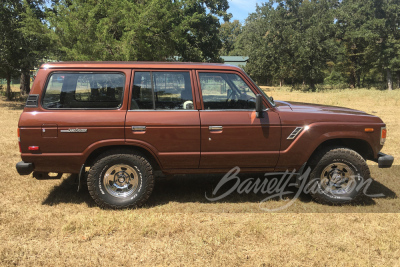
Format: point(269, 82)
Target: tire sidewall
point(356, 165)
point(111, 200)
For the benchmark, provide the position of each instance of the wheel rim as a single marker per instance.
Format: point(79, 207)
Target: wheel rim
point(337, 178)
point(121, 180)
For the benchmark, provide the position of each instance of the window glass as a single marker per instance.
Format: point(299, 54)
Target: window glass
point(226, 91)
point(84, 90)
point(142, 96)
point(162, 91)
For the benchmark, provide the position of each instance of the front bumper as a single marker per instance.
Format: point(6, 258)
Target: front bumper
point(384, 161)
point(24, 168)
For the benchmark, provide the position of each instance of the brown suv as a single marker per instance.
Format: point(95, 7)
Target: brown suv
point(121, 121)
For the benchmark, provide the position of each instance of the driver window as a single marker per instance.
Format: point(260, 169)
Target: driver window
point(225, 91)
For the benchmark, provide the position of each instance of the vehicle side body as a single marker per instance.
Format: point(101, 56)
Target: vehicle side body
point(181, 141)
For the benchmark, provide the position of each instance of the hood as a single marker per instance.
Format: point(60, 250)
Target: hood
point(315, 108)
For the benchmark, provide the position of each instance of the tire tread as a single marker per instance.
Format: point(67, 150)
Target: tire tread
point(115, 155)
point(338, 152)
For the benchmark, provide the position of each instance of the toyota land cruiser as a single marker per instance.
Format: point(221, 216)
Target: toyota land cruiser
point(119, 122)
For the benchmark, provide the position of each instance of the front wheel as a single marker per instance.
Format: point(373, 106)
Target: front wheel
point(120, 180)
point(338, 176)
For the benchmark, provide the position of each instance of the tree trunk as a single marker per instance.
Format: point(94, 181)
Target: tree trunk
point(8, 90)
point(25, 82)
point(389, 79)
point(280, 83)
point(398, 79)
point(362, 83)
point(352, 79)
point(22, 83)
point(312, 85)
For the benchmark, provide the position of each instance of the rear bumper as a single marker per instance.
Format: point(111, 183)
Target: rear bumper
point(384, 161)
point(55, 162)
point(24, 168)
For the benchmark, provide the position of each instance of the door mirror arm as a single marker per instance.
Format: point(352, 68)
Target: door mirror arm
point(259, 107)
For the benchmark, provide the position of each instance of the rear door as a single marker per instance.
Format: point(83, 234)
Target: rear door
point(79, 109)
point(231, 135)
point(163, 117)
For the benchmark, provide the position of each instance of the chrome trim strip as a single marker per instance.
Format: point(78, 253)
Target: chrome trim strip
point(71, 130)
point(147, 110)
point(208, 110)
point(230, 110)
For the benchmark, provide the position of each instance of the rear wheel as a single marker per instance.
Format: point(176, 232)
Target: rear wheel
point(120, 180)
point(338, 176)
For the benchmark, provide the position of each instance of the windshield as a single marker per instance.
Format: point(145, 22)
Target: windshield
point(270, 100)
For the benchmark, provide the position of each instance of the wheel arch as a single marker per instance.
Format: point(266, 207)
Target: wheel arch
point(361, 146)
point(132, 148)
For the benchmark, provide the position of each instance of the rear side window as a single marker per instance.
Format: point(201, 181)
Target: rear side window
point(84, 91)
point(162, 91)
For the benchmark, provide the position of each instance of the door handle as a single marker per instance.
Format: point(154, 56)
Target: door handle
point(138, 128)
point(215, 128)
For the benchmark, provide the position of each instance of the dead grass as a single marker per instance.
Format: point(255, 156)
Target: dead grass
point(14, 87)
point(48, 223)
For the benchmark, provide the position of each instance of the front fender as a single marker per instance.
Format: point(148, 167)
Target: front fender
point(296, 152)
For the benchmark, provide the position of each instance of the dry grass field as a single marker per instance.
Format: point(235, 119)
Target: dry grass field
point(49, 223)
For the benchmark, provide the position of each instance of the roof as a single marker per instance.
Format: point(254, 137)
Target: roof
point(135, 64)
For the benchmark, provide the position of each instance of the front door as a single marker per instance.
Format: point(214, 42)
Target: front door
point(231, 135)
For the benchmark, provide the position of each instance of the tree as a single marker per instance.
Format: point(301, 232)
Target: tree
point(36, 42)
point(315, 43)
point(290, 40)
point(369, 39)
point(10, 41)
point(251, 42)
point(312, 41)
point(229, 33)
point(355, 30)
point(387, 47)
point(138, 30)
point(24, 40)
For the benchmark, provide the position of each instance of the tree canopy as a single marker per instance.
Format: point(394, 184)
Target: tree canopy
point(354, 42)
point(25, 39)
point(138, 30)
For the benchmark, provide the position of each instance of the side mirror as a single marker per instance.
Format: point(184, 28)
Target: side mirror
point(259, 107)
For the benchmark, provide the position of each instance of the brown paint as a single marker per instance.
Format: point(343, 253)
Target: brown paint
point(181, 141)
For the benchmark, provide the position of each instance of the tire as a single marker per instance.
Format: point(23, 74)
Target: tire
point(338, 176)
point(120, 180)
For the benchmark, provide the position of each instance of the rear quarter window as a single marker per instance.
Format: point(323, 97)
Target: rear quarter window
point(84, 91)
